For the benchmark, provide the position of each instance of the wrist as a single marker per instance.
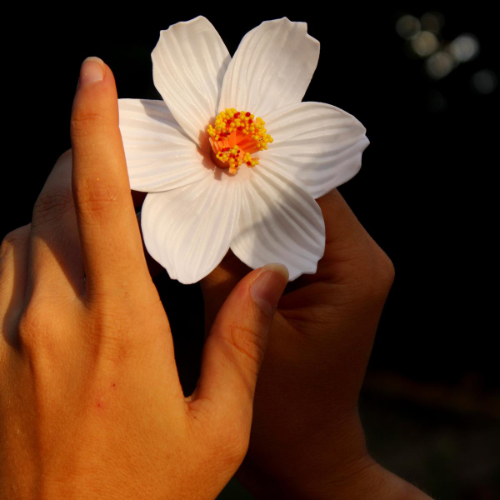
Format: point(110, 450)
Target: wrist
point(362, 480)
point(324, 469)
point(308, 466)
point(372, 481)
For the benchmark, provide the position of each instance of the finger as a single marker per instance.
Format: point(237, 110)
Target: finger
point(343, 233)
point(55, 262)
point(107, 222)
point(13, 278)
point(235, 347)
point(154, 267)
point(341, 224)
point(349, 249)
point(219, 283)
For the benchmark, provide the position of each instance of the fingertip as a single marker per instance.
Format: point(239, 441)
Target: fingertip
point(92, 71)
point(95, 102)
point(276, 267)
point(96, 82)
point(268, 286)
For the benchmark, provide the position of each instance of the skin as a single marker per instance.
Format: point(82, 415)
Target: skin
point(90, 400)
point(307, 441)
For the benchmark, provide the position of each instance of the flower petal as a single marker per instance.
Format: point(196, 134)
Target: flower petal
point(317, 144)
point(189, 63)
point(159, 155)
point(279, 222)
point(188, 230)
point(272, 68)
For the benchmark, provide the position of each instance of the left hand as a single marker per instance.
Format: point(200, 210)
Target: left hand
point(90, 400)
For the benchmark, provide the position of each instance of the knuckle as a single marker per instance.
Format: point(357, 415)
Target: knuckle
point(387, 270)
point(111, 331)
point(83, 121)
point(247, 342)
point(33, 327)
point(94, 196)
point(52, 205)
point(379, 275)
point(14, 238)
point(107, 324)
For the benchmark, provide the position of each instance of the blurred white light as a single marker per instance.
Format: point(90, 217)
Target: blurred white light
point(432, 21)
point(425, 43)
point(464, 48)
point(439, 65)
point(408, 26)
point(484, 81)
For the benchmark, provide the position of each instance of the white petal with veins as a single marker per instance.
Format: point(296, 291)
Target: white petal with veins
point(194, 211)
point(189, 63)
point(159, 155)
point(279, 222)
point(188, 230)
point(319, 145)
point(272, 68)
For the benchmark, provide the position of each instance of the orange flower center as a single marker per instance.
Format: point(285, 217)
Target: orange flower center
point(235, 136)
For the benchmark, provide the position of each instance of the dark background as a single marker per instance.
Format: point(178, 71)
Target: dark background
point(431, 403)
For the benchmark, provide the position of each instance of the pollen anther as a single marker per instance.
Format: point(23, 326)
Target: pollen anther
point(235, 135)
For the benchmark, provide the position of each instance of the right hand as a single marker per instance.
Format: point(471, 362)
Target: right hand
point(307, 440)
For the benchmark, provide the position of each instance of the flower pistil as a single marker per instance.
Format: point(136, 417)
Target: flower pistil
point(234, 136)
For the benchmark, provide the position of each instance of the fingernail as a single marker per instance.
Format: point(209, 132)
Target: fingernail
point(267, 288)
point(92, 71)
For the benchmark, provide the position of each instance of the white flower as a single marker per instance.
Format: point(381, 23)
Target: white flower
point(195, 211)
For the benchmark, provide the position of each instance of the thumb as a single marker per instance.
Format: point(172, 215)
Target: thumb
point(218, 285)
point(235, 347)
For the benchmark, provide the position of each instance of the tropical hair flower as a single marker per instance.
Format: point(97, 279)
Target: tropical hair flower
point(232, 157)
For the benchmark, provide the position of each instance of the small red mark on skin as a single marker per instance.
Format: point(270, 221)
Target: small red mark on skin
point(113, 385)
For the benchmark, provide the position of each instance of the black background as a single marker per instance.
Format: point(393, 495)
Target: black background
point(426, 193)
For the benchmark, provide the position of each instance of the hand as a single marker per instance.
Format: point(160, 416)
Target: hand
point(307, 441)
point(90, 400)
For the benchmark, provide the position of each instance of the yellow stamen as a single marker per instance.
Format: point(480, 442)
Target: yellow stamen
point(234, 136)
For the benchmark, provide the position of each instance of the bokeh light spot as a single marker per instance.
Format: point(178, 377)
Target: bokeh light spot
point(408, 26)
point(432, 21)
point(464, 48)
point(425, 44)
point(484, 81)
point(439, 65)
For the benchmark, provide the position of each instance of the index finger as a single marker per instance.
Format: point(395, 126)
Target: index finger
point(109, 232)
